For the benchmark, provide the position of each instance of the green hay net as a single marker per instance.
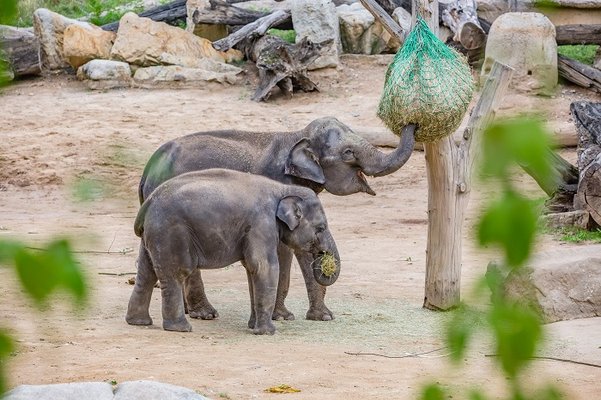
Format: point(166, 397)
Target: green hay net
point(427, 84)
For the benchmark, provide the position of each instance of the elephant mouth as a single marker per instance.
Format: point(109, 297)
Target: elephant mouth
point(364, 185)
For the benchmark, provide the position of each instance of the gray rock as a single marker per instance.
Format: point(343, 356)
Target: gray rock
point(62, 391)
point(360, 33)
point(560, 290)
point(175, 73)
point(49, 28)
point(149, 390)
point(525, 42)
point(105, 74)
point(317, 20)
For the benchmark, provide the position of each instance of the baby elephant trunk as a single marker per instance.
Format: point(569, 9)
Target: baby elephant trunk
point(326, 264)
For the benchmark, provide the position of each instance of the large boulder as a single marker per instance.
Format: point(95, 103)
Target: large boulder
point(149, 390)
point(144, 42)
point(82, 44)
point(63, 391)
point(317, 21)
point(360, 33)
point(561, 290)
point(49, 27)
point(525, 42)
point(132, 390)
point(184, 76)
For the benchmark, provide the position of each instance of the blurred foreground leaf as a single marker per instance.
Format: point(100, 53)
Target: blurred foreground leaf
point(433, 392)
point(6, 347)
point(510, 222)
point(41, 272)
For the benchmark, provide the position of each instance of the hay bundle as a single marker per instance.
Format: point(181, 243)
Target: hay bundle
point(427, 84)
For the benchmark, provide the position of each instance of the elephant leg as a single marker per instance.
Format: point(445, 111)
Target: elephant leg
point(196, 299)
point(316, 292)
point(174, 317)
point(280, 311)
point(253, 317)
point(263, 280)
point(139, 302)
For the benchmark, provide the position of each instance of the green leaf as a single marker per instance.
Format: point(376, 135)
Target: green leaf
point(517, 330)
point(6, 347)
point(460, 330)
point(510, 223)
point(42, 272)
point(8, 250)
point(433, 391)
point(521, 140)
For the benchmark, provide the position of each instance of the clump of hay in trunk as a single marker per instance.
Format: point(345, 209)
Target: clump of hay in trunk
point(428, 84)
point(327, 264)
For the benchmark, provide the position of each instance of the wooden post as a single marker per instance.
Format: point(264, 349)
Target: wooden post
point(449, 166)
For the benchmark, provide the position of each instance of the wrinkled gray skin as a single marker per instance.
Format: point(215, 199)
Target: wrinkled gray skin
point(200, 220)
point(324, 155)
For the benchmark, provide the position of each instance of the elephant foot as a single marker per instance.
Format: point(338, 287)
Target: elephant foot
point(141, 320)
point(180, 325)
point(266, 329)
point(282, 313)
point(204, 312)
point(319, 314)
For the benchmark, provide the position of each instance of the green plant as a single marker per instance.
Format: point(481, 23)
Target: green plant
point(286, 35)
point(40, 273)
point(575, 235)
point(510, 224)
point(585, 53)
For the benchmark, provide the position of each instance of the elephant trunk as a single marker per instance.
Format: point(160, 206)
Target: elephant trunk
point(380, 164)
point(326, 265)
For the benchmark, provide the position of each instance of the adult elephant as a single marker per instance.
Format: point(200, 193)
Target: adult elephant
point(326, 154)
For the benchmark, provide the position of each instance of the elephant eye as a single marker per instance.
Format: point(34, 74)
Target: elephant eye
point(320, 229)
point(348, 155)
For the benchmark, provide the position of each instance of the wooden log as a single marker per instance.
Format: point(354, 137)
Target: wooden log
point(462, 18)
point(223, 13)
point(21, 50)
point(578, 34)
point(587, 117)
point(387, 22)
point(284, 65)
point(170, 13)
point(579, 73)
point(252, 30)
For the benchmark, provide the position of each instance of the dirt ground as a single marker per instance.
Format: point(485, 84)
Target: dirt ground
point(56, 133)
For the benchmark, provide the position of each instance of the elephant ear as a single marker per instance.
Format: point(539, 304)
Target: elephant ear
point(303, 163)
point(289, 211)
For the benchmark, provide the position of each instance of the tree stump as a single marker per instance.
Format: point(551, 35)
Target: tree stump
point(282, 64)
point(587, 117)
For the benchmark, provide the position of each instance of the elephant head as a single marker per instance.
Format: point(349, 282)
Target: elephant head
point(303, 227)
point(332, 155)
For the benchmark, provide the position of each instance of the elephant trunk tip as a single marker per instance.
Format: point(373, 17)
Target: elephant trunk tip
point(326, 268)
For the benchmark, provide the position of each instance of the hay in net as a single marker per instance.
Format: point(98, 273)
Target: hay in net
point(428, 84)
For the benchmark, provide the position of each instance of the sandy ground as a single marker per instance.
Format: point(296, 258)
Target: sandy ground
point(56, 133)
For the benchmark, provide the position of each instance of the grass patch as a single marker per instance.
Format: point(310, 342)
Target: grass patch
point(575, 235)
point(584, 53)
point(98, 12)
point(286, 35)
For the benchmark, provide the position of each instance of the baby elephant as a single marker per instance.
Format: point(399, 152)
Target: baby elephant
point(213, 218)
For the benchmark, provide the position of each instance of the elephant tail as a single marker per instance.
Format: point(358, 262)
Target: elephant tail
point(139, 223)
